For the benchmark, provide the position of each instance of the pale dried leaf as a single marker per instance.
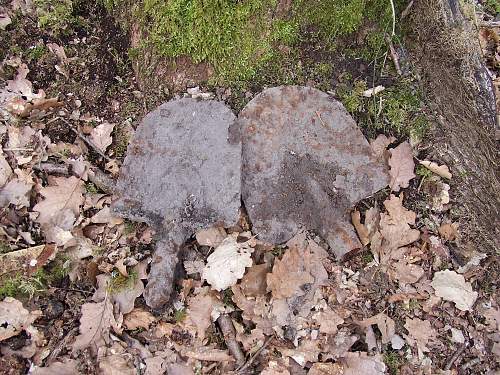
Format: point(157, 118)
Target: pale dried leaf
point(16, 192)
point(66, 193)
point(138, 318)
point(402, 166)
point(420, 332)
point(194, 266)
point(452, 286)
point(212, 236)
point(68, 367)
point(105, 216)
point(405, 272)
point(19, 260)
point(385, 324)
point(448, 231)
point(95, 324)
point(373, 91)
point(125, 297)
point(227, 264)
point(326, 369)
point(379, 145)
point(5, 170)
point(116, 364)
point(289, 275)
point(440, 170)
point(199, 312)
point(358, 363)
point(101, 136)
point(14, 318)
point(5, 21)
point(308, 351)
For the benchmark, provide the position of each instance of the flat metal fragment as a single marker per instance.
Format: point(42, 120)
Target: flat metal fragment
point(181, 174)
point(305, 163)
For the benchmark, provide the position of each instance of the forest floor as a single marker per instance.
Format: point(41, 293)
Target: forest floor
point(413, 300)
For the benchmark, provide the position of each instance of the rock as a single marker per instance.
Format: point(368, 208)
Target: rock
point(305, 163)
point(181, 174)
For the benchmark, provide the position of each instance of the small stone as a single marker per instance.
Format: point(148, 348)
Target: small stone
point(397, 342)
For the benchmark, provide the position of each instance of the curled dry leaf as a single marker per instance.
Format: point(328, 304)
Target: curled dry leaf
point(101, 136)
point(95, 324)
point(227, 264)
point(138, 318)
point(14, 318)
point(386, 326)
point(440, 170)
point(452, 286)
point(373, 91)
point(356, 363)
point(5, 170)
point(212, 236)
point(420, 333)
point(64, 194)
point(379, 145)
point(68, 367)
point(402, 166)
point(116, 364)
point(289, 275)
point(448, 231)
point(361, 230)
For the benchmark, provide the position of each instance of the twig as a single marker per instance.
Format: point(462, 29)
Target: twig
point(394, 55)
point(227, 328)
point(405, 12)
point(86, 140)
point(61, 345)
point(96, 176)
point(255, 355)
point(393, 18)
point(455, 356)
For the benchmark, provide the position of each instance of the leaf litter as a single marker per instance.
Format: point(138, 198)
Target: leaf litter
point(293, 308)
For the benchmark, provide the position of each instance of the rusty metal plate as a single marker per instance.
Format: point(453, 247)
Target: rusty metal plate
point(181, 174)
point(305, 163)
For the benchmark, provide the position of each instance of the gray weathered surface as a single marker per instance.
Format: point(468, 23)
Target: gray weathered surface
point(305, 163)
point(181, 174)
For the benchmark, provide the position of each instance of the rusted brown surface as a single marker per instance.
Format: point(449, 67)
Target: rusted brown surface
point(305, 163)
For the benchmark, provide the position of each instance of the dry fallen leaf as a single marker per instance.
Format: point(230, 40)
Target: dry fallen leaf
point(402, 166)
point(452, 286)
point(64, 194)
point(212, 236)
point(14, 318)
point(199, 312)
point(116, 364)
point(440, 170)
point(16, 192)
point(448, 231)
point(138, 318)
point(101, 136)
point(420, 333)
point(95, 324)
point(386, 326)
point(289, 275)
point(227, 264)
point(254, 281)
point(379, 145)
point(5, 170)
point(361, 230)
point(68, 367)
point(357, 363)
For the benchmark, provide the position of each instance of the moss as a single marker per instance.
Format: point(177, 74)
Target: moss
point(119, 282)
point(396, 110)
point(239, 38)
point(55, 15)
point(4, 247)
point(392, 361)
point(180, 315)
point(91, 188)
point(36, 53)
point(492, 6)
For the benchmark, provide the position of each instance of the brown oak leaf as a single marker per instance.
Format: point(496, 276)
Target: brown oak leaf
point(402, 166)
